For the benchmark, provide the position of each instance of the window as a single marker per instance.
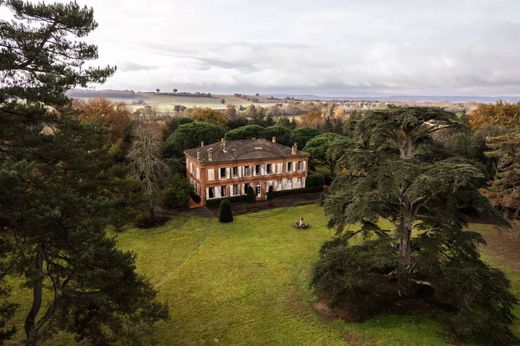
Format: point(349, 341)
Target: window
point(269, 168)
point(247, 171)
point(300, 166)
point(288, 183)
point(222, 173)
point(289, 167)
point(278, 186)
point(299, 182)
point(258, 169)
point(211, 192)
point(211, 174)
point(258, 190)
point(235, 171)
point(246, 187)
point(235, 190)
point(222, 191)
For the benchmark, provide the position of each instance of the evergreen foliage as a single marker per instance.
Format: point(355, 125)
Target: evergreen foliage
point(270, 193)
point(302, 135)
point(225, 213)
point(387, 170)
point(246, 132)
point(61, 187)
point(282, 134)
point(190, 135)
point(178, 191)
point(320, 147)
point(250, 195)
point(314, 180)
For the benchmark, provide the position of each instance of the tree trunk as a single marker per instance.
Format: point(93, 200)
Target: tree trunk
point(406, 148)
point(30, 320)
point(405, 261)
point(405, 228)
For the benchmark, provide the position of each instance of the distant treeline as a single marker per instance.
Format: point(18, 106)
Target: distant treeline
point(185, 93)
point(101, 93)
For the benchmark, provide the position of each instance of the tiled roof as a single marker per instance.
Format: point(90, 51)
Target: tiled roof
point(241, 150)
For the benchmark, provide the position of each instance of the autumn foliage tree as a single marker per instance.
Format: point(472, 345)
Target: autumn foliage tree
point(504, 191)
point(312, 119)
point(209, 115)
point(115, 116)
point(502, 114)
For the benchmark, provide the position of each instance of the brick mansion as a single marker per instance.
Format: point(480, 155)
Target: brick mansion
point(228, 168)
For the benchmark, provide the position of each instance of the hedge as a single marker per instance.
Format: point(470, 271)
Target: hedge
point(243, 198)
point(297, 191)
point(216, 202)
point(314, 180)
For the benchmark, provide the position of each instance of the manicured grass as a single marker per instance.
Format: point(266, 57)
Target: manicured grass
point(247, 283)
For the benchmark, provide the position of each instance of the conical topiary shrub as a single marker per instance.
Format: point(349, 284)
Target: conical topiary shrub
point(225, 213)
point(270, 193)
point(250, 195)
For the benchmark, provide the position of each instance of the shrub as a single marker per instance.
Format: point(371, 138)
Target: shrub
point(314, 180)
point(216, 202)
point(270, 193)
point(196, 198)
point(225, 213)
point(250, 193)
point(178, 191)
point(297, 191)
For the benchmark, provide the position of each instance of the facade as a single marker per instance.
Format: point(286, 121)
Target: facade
point(228, 168)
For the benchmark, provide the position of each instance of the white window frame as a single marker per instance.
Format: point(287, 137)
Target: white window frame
point(213, 190)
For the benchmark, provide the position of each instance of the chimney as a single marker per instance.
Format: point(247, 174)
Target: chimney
point(294, 149)
point(210, 154)
point(201, 143)
point(223, 142)
point(274, 139)
point(198, 154)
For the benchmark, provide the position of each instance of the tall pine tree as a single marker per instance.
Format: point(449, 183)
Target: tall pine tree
point(60, 187)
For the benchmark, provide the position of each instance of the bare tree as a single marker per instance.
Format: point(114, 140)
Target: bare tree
point(147, 165)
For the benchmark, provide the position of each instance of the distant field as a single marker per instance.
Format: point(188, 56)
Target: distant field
point(166, 103)
point(247, 283)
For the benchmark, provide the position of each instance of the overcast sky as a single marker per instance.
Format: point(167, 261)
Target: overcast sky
point(336, 48)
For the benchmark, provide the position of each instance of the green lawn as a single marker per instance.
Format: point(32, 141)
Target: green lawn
point(246, 283)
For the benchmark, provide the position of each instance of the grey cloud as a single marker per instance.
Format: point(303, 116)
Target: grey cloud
point(361, 47)
point(133, 66)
